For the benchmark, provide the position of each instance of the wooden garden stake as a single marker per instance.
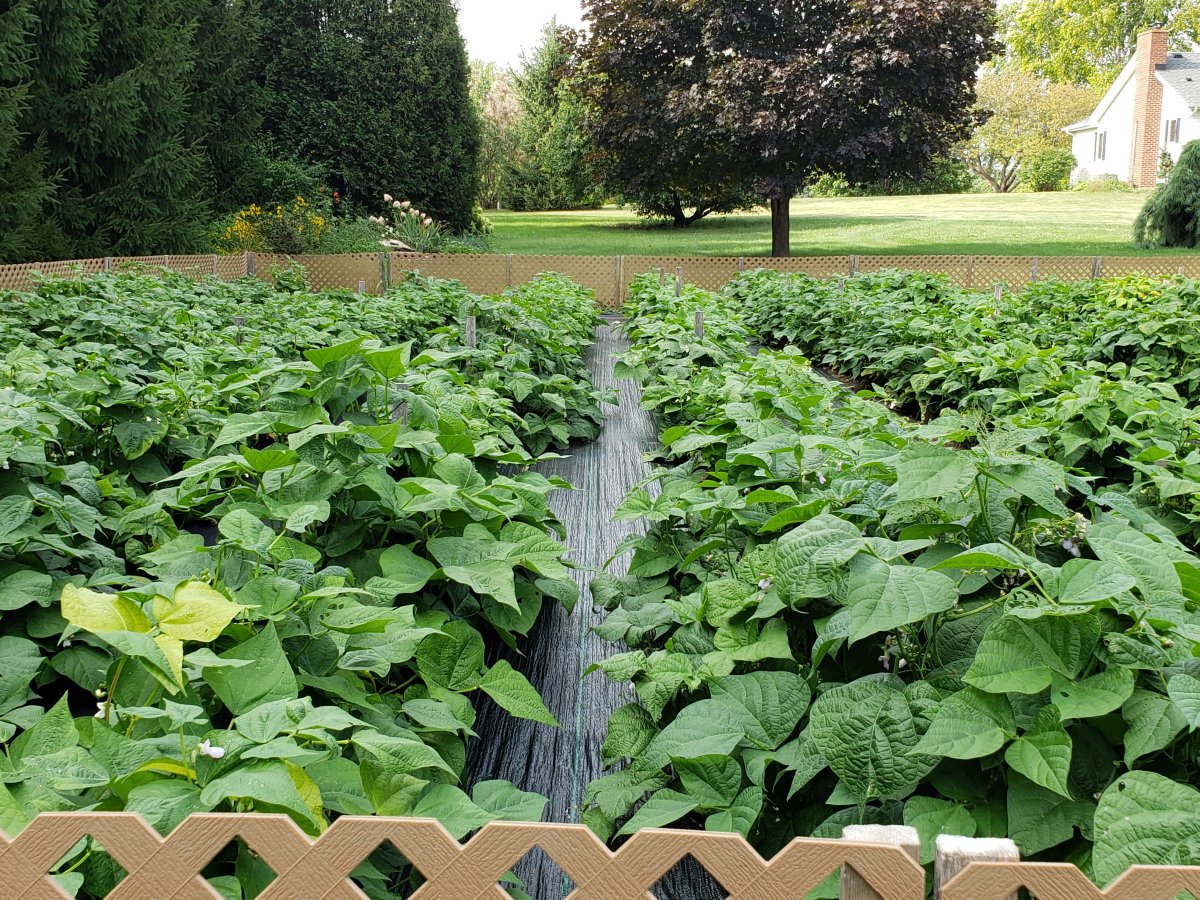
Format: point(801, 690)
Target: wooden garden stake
point(956, 853)
point(662, 278)
point(841, 285)
point(679, 282)
point(999, 292)
point(362, 287)
point(854, 887)
point(699, 324)
point(238, 322)
point(400, 412)
point(471, 336)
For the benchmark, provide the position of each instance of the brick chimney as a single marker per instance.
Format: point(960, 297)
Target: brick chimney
point(1152, 51)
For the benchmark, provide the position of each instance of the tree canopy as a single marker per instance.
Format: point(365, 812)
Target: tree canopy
point(1025, 115)
point(1088, 42)
point(702, 99)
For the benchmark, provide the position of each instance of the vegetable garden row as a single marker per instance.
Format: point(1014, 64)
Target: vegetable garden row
point(983, 623)
point(255, 540)
point(252, 541)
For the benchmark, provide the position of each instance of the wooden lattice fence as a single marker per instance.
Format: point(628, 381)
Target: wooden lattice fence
point(608, 276)
point(306, 868)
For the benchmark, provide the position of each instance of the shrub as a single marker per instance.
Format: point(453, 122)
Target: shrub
point(1101, 184)
point(944, 176)
point(1049, 170)
point(295, 227)
point(1169, 216)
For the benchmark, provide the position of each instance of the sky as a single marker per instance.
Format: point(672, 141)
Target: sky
point(499, 30)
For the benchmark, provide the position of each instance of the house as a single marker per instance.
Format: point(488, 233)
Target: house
point(1153, 106)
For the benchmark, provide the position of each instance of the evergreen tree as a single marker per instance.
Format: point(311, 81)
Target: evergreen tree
point(110, 101)
point(377, 94)
point(548, 167)
point(24, 187)
point(226, 102)
point(1171, 217)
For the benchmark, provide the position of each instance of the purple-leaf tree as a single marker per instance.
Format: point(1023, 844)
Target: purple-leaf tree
point(711, 99)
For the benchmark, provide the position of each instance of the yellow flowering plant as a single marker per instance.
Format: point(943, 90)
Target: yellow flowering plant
point(296, 227)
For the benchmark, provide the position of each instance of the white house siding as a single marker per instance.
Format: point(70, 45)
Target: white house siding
point(1114, 122)
point(1175, 107)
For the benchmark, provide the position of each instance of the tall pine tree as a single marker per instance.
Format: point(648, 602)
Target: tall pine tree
point(24, 186)
point(377, 94)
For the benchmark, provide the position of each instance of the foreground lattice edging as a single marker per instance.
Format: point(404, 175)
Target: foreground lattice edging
point(608, 276)
point(167, 868)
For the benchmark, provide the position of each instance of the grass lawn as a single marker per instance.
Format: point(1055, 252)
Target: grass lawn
point(1066, 224)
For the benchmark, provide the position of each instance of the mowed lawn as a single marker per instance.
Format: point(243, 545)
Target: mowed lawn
point(1064, 224)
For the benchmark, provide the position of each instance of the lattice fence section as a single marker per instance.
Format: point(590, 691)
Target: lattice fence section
point(600, 274)
point(813, 266)
point(481, 273)
point(305, 868)
point(1066, 268)
point(1158, 266)
point(607, 276)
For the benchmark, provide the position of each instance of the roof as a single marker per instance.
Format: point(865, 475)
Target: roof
point(1093, 121)
point(1181, 73)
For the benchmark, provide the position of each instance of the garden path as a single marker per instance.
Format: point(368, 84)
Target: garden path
point(561, 762)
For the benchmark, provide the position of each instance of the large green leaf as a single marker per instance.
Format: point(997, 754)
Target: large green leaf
point(883, 597)
point(268, 676)
point(1096, 696)
point(808, 556)
point(968, 725)
point(868, 731)
point(1184, 691)
point(454, 658)
point(1039, 819)
point(713, 781)
point(512, 692)
point(271, 788)
point(768, 705)
point(928, 472)
point(1146, 819)
point(1022, 656)
point(932, 817)
point(508, 803)
point(196, 613)
point(1140, 556)
point(1043, 754)
point(25, 588)
point(454, 809)
point(1154, 723)
point(706, 728)
point(102, 613)
point(404, 571)
point(663, 808)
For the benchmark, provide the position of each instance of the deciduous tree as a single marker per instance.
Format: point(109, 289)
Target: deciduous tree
point(1024, 115)
point(760, 95)
point(1088, 42)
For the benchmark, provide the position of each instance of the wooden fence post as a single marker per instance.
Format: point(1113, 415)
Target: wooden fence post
point(1097, 266)
point(385, 270)
point(508, 270)
point(1034, 279)
point(214, 265)
point(679, 281)
point(853, 265)
point(662, 277)
point(108, 264)
point(251, 263)
point(956, 853)
point(907, 839)
point(741, 264)
point(620, 295)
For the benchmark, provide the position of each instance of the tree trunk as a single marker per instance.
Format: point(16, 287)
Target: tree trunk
point(781, 226)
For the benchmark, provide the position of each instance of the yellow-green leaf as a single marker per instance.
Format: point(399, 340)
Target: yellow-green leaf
point(102, 613)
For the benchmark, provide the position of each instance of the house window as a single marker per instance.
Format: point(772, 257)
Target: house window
point(1101, 145)
point(1172, 135)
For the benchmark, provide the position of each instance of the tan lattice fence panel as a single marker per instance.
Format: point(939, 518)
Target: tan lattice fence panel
point(813, 266)
point(711, 274)
point(319, 869)
point(600, 274)
point(481, 273)
point(17, 278)
point(346, 271)
point(1066, 268)
point(1156, 266)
